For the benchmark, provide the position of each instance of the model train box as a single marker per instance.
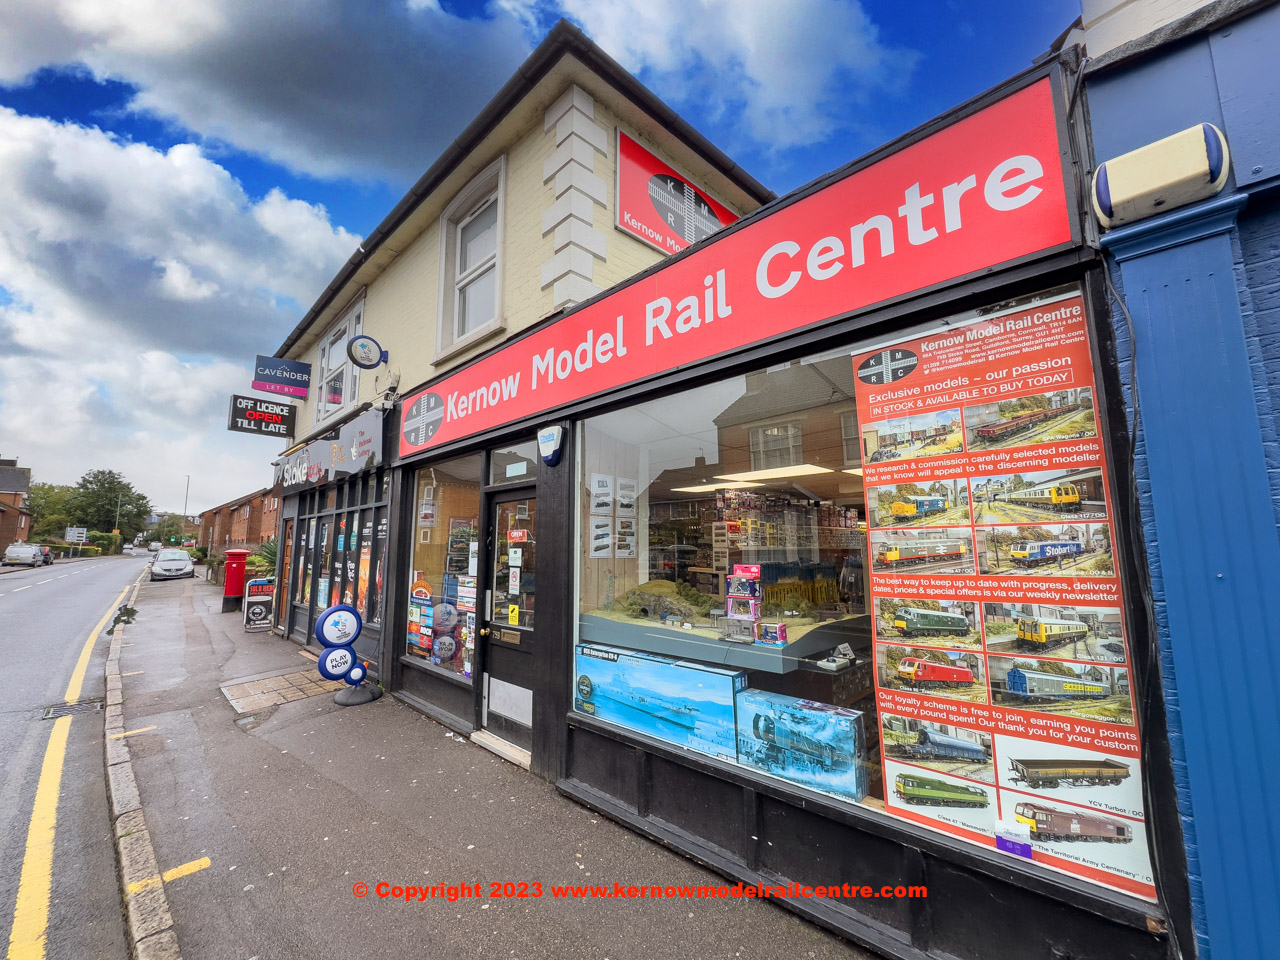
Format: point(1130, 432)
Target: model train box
point(771, 634)
point(815, 745)
point(744, 581)
point(740, 608)
point(676, 701)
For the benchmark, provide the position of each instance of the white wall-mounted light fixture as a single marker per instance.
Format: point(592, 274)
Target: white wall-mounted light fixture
point(1190, 165)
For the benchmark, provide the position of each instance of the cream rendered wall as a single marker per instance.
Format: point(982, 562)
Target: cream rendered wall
point(1110, 23)
point(401, 302)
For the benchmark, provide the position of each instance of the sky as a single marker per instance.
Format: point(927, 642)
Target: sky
point(181, 179)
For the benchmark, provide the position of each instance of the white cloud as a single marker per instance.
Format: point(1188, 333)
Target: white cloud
point(143, 282)
point(326, 87)
point(786, 74)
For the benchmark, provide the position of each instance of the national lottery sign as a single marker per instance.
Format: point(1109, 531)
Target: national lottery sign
point(986, 190)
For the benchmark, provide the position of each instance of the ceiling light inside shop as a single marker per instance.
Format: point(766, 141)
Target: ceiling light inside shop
point(778, 473)
point(856, 471)
point(712, 487)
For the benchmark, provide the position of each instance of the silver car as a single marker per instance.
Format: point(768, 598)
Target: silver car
point(172, 564)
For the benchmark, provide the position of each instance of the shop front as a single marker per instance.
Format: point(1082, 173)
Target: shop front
point(334, 532)
point(832, 566)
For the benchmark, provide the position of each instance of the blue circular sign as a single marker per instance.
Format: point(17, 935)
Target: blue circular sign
point(365, 352)
point(339, 626)
point(355, 675)
point(336, 662)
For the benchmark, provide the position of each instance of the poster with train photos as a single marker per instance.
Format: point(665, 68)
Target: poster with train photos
point(1002, 661)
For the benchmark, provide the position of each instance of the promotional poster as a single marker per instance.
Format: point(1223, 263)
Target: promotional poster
point(679, 701)
point(1002, 664)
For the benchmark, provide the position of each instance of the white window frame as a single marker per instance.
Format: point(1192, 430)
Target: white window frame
point(331, 358)
point(755, 443)
point(488, 186)
point(850, 442)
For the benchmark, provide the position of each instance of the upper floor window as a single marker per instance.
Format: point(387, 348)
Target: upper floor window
point(470, 302)
point(336, 375)
point(777, 445)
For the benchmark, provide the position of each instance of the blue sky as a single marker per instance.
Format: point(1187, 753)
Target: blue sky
point(178, 182)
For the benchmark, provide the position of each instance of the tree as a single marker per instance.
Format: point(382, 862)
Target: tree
point(50, 510)
point(169, 529)
point(97, 497)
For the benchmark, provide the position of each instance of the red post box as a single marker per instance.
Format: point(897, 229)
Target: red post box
point(233, 580)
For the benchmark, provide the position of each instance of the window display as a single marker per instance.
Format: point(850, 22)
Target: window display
point(441, 625)
point(901, 555)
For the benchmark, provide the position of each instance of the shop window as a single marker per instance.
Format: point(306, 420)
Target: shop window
point(471, 234)
point(441, 622)
point(336, 376)
point(934, 633)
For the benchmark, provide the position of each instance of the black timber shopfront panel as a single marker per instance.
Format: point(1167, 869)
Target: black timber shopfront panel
point(605, 764)
point(760, 836)
point(706, 807)
point(453, 698)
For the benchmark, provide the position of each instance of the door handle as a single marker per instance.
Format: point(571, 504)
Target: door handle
point(484, 631)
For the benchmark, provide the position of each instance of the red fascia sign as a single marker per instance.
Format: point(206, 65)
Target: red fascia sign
point(660, 206)
point(981, 192)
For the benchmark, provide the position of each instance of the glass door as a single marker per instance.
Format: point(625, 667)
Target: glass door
point(509, 635)
point(286, 574)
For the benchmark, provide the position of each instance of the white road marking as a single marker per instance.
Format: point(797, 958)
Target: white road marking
point(27, 587)
point(38, 582)
point(63, 577)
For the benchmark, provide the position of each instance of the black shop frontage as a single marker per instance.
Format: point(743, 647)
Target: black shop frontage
point(808, 554)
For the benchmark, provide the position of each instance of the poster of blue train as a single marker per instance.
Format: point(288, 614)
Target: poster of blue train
point(1000, 622)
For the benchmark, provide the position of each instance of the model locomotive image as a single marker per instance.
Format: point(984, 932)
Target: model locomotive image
point(931, 745)
point(1032, 685)
point(926, 674)
point(913, 789)
point(1063, 497)
point(827, 756)
point(1048, 823)
point(909, 508)
point(1033, 553)
point(914, 622)
point(1046, 634)
point(1042, 774)
point(1013, 426)
point(905, 553)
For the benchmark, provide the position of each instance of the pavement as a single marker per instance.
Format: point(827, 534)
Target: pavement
point(265, 821)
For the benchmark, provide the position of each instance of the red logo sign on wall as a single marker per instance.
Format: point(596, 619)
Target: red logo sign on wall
point(661, 207)
point(984, 191)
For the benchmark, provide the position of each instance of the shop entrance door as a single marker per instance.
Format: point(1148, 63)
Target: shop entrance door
point(508, 635)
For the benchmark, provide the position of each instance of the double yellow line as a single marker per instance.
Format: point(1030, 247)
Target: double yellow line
point(30, 929)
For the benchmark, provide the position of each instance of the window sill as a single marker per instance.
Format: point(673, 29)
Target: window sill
point(490, 329)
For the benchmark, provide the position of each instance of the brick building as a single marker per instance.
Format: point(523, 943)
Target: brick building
point(15, 517)
point(241, 523)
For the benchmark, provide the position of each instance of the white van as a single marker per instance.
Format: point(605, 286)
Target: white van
point(22, 555)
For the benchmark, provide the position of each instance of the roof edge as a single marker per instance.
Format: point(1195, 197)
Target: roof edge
point(564, 38)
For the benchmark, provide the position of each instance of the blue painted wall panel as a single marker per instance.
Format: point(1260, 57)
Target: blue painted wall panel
point(1215, 568)
point(1244, 60)
point(1132, 108)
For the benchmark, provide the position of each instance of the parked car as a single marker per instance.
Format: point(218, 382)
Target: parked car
point(155, 546)
point(22, 555)
point(172, 564)
point(127, 549)
point(46, 554)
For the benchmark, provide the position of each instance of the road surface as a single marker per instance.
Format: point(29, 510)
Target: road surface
point(59, 896)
